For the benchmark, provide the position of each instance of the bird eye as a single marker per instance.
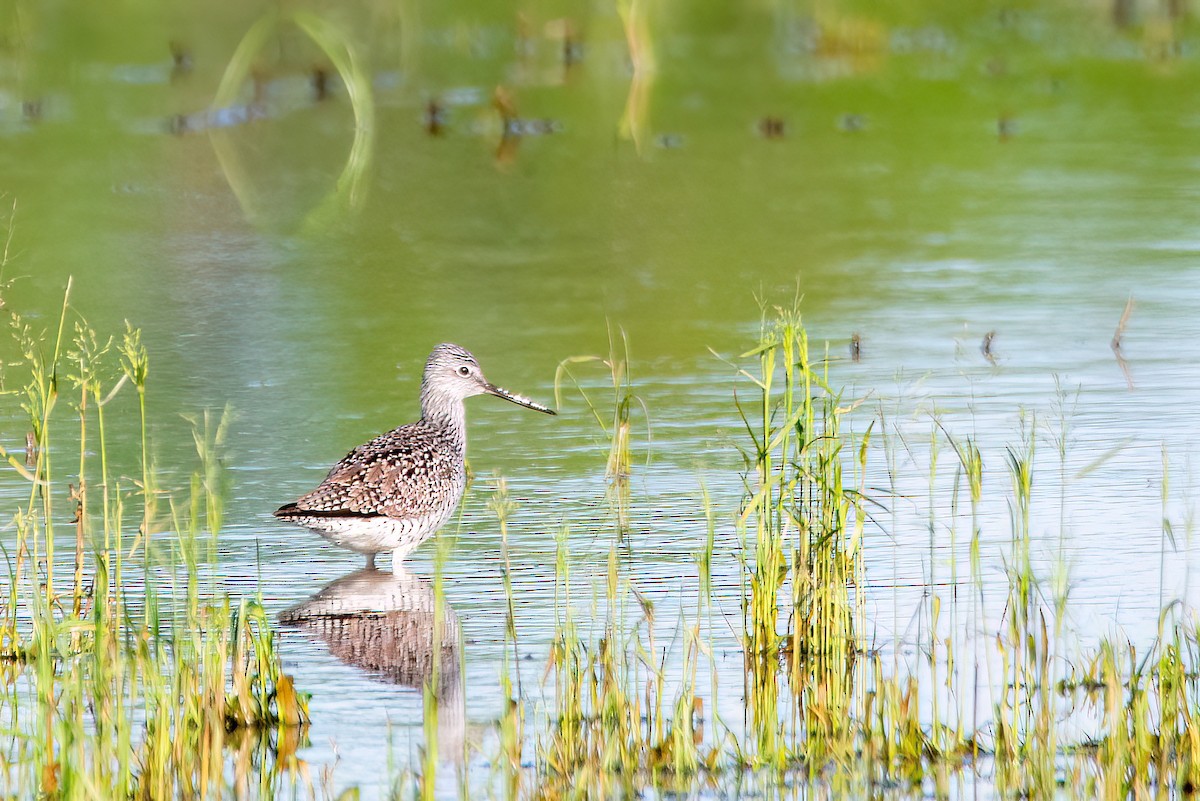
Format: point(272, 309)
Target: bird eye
point(464, 370)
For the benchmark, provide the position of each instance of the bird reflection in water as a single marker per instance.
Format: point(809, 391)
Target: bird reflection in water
point(384, 623)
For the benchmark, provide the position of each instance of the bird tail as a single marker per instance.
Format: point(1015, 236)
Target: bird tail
point(287, 510)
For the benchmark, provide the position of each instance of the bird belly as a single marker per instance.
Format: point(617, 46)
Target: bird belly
point(377, 533)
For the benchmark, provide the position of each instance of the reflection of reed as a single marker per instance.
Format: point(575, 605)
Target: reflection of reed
point(641, 57)
point(350, 191)
point(385, 623)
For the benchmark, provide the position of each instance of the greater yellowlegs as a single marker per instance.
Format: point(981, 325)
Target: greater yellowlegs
point(394, 492)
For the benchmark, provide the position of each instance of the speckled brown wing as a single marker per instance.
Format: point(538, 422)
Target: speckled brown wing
point(409, 472)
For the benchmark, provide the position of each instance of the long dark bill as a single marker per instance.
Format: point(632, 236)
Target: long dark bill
point(520, 400)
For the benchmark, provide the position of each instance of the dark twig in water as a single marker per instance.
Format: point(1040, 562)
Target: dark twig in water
point(181, 59)
point(1118, 337)
point(771, 127)
point(572, 47)
point(32, 110)
point(986, 347)
point(435, 117)
point(572, 51)
point(1006, 127)
point(1119, 334)
point(320, 83)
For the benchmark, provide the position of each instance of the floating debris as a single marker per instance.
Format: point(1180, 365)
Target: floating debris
point(985, 347)
point(435, 118)
point(1006, 127)
point(572, 52)
point(320, 83)
point(181, 59)
point(855, 347)
point(515, 128)
point(233, 116)
point(570, 49)
point(852, 123)
point(771, 127)
point(532, 127)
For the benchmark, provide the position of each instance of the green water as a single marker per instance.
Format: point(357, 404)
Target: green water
point(921, 175)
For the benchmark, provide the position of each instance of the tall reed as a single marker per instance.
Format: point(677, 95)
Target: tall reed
point(111, 694)
point(618, 429)
point(802, 529)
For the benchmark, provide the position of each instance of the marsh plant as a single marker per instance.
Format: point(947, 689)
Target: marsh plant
point(614, 418)
point(134, 678)
point(127, 673)
point(801, 530)
point(824, 705)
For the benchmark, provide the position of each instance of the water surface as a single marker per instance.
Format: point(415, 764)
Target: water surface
point(922, 178)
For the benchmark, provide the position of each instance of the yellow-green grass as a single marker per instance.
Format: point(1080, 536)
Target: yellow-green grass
point(132, 677)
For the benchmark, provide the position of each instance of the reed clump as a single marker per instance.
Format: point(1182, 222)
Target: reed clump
point(132, 678)
point(617, 727)
point(801, 529)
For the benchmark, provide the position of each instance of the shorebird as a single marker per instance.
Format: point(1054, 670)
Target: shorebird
point(394, 492)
